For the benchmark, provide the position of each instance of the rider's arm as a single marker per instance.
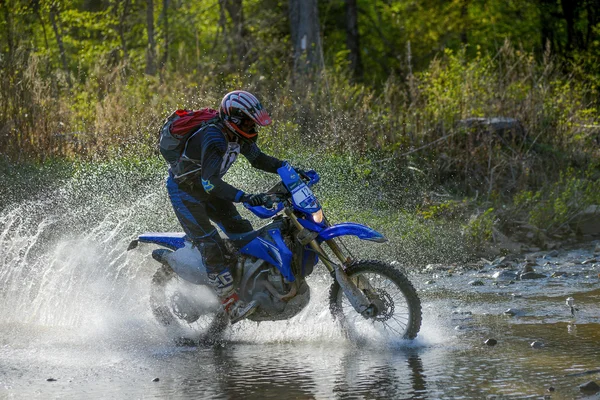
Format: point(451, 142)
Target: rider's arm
point(210, 148)
point(260, 160)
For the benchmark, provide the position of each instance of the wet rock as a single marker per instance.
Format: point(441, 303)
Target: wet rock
point(504, 275)
point(589, 261)
point(477, 283)
point(537, 345)
point(155, 379)
point(551, 389)
point(589, 387)
point(553, 253)
point(431, 282)
point(458, 328)
point(534, 249)
point(558, 274)
point(511, 312)
point(531, 257)
point(531, 275)
point(587, 222)
point(528, 267)
point(51, 380)
point(491, 342)
point(436, 267)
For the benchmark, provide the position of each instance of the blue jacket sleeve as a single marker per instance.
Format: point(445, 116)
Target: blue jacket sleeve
point(260, 160)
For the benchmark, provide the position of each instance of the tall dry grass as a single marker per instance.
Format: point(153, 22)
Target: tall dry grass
point(409, 122)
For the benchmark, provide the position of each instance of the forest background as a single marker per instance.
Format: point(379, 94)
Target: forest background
point(482, 114)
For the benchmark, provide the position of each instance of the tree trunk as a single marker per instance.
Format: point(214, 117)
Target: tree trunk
point(54, 16)
point(464, 15)
point(569, 7)
point(306, 39)
point(9, 32)
point(122, 19)
point(151, 50)
point(548, 12)
point(236, 13)
point(353, 39)
point(38, 14)
point(165, 56)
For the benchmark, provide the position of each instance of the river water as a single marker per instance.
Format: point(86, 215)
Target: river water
point(75, 322)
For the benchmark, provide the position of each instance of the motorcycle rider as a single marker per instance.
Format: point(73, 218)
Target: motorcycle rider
point(199, 195)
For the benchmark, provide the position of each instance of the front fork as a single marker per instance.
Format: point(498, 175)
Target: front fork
point(351, 289)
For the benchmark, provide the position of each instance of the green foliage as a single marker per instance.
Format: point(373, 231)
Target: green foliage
point(554, 205)
point(450, 209)
point(479, 230)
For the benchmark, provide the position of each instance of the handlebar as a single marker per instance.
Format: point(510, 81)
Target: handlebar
point(278, 195)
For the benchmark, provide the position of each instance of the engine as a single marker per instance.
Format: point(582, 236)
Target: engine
point(277, 298)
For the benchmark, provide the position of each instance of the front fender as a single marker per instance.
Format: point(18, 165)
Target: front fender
point(350, 228)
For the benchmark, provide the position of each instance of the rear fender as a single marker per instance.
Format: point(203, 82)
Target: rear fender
point(171, 240)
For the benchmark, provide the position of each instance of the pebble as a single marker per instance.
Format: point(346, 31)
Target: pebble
point(537, 345)
point(558, 274)
point(491, 342)
point(589, 387)
point(155, 380)
point(532, 275)
point(476, 283)
point(528, 267)
point(551, 389)
point(431, 282)
point(510, 312)
point(51, 380)
point(504, 275)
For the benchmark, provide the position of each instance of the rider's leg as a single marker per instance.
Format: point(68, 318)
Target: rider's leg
point(220, 278)
point(191, 209)
point(226, 215)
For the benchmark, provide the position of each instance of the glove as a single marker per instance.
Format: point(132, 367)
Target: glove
point(256, 199)
point(303, 174)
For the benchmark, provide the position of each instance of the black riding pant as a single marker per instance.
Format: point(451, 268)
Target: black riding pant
point(195, 210)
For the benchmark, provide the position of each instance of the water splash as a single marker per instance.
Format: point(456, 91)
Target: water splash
point(64, 261)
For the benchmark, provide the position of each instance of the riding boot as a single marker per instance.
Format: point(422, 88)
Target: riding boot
point(236, 309)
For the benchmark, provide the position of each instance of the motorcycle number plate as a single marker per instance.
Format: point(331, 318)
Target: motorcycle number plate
point(303, 197)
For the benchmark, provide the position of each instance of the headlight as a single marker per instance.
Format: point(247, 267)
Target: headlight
point(318, 216)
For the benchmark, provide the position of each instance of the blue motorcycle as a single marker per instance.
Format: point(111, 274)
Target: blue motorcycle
point(369, 298)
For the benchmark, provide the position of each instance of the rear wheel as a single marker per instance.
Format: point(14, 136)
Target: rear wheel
point(191, 311)
point(395, 300)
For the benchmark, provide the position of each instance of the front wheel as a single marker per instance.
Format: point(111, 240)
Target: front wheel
point(394, 299)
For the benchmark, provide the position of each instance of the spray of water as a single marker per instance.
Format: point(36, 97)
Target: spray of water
point(64, 262)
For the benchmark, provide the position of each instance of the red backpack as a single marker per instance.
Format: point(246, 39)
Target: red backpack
point(179, 126)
